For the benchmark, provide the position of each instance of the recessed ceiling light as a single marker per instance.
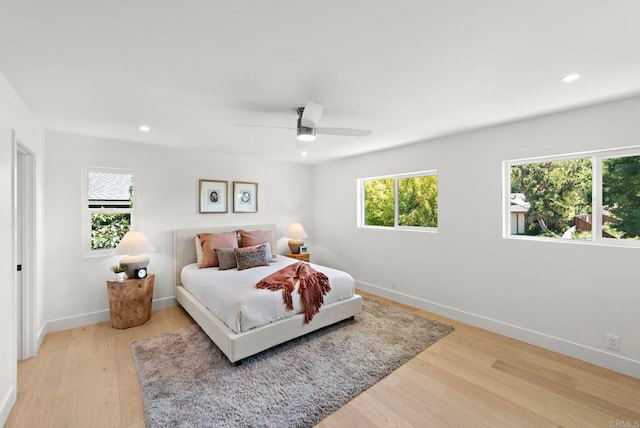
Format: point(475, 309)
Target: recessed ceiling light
point(570, 78)
point(144, 128)
point(304, 154)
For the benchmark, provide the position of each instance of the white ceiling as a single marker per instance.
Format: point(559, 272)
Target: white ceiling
point(409, 70)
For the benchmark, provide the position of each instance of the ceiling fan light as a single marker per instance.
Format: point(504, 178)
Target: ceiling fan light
point(306, 134)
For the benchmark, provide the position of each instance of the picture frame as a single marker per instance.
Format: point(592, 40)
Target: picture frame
point(245, 197)
point(303, 249)
point(213, 196)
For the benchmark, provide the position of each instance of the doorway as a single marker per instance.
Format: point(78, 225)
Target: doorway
point(24, 214)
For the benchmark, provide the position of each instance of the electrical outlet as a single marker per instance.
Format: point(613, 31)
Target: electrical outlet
point(613, 341)
point(394, 284)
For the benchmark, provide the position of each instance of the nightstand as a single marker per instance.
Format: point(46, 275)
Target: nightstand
point(130, 301)
point(302, 256)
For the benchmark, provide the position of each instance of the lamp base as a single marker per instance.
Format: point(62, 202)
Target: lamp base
point(294, 245)
point(134, 262)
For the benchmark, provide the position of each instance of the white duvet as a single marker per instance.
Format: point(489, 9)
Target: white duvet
point(232, 295)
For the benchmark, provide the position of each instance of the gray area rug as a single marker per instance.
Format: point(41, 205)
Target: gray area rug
point(187, 381)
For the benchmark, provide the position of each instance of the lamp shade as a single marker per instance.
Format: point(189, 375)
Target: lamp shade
point(134, 243)
point(133, 246)
point(296, 231)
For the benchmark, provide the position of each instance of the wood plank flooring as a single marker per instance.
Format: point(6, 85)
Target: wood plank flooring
point(85, 377)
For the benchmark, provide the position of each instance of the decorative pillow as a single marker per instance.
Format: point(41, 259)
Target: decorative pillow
point(199, 253)
point(210, 241)
point(248, 257)
point(249, 238)
point(226, 258)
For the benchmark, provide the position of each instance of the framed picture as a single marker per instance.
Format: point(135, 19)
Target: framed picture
point(213, 196)
point(303, 250)
point(245, 197)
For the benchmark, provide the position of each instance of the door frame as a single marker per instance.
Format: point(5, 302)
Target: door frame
point(26, 157)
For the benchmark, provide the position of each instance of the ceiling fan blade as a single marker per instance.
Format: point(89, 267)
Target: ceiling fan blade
point(348, 132)
point(263, 126)
point(311, 115)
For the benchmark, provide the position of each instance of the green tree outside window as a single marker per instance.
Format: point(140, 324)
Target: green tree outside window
point(417, 201)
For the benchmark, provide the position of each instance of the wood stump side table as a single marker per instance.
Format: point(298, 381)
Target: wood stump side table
point(302, 256)
point(130, 301)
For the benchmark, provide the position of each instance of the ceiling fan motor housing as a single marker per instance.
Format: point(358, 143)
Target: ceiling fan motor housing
point(304, 133)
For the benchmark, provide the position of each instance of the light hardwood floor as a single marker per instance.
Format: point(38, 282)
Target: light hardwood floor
point(85, 377)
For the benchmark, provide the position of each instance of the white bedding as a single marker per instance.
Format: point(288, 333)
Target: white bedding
point(232, 296)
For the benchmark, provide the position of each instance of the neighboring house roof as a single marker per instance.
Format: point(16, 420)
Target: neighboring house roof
point(109, 187)
point(519, 203)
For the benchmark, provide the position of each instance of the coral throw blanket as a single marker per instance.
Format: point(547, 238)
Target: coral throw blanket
point(313, 286)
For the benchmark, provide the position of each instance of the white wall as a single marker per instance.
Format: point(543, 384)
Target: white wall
point(14, 116)
point(166, 199)
point(562, 296)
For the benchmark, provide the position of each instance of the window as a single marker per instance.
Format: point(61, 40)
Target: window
point(400, 201)
point(546, 197)
point(588, 198)
point(108, 209)
point(379, 202)
point(621, 198)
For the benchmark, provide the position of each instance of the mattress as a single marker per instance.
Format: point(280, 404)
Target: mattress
point(231, 295)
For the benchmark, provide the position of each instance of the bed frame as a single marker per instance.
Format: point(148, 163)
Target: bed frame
point(237, 346)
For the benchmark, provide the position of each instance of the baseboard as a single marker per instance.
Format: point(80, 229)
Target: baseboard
point(93, 318)
point(76, 321)
point(591, 355)
point(40, 337)
point(165, 302)
point(6, 405)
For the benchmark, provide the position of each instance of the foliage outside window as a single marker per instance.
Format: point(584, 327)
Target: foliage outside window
point(107, 229)
point(379, 202)
point(403, 201)
point(621, 197)
point(593, 198)
point(109, 208)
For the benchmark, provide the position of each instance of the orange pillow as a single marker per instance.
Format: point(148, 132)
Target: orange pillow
point(211, 241)
point(249, 238)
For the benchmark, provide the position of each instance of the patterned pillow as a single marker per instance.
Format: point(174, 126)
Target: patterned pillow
point(226, 258)
point(210, 241)
point(249, 257)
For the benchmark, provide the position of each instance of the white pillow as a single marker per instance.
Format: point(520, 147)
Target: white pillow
point(270, 257)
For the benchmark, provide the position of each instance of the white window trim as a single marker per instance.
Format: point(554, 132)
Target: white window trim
point(597, 156)
point(86, 212)
point(396, 226)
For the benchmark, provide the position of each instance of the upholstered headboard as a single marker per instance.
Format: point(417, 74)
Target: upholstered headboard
point(184, 249)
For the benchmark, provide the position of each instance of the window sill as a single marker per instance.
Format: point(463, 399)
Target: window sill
point(402, 229)
point(599, 243)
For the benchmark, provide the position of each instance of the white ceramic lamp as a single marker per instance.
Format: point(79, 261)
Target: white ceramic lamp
point(134, 246)
point(296, 234)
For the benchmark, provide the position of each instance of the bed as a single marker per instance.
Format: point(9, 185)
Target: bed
point(250, 337)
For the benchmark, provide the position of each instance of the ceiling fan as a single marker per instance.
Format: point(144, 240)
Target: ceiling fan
point(307, 125)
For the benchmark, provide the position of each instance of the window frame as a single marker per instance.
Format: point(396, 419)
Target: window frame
point(596, 156)
point(86, 212)
point(361, 203)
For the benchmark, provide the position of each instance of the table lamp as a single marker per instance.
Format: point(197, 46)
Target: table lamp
point(296, 234)
point(134, 246)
